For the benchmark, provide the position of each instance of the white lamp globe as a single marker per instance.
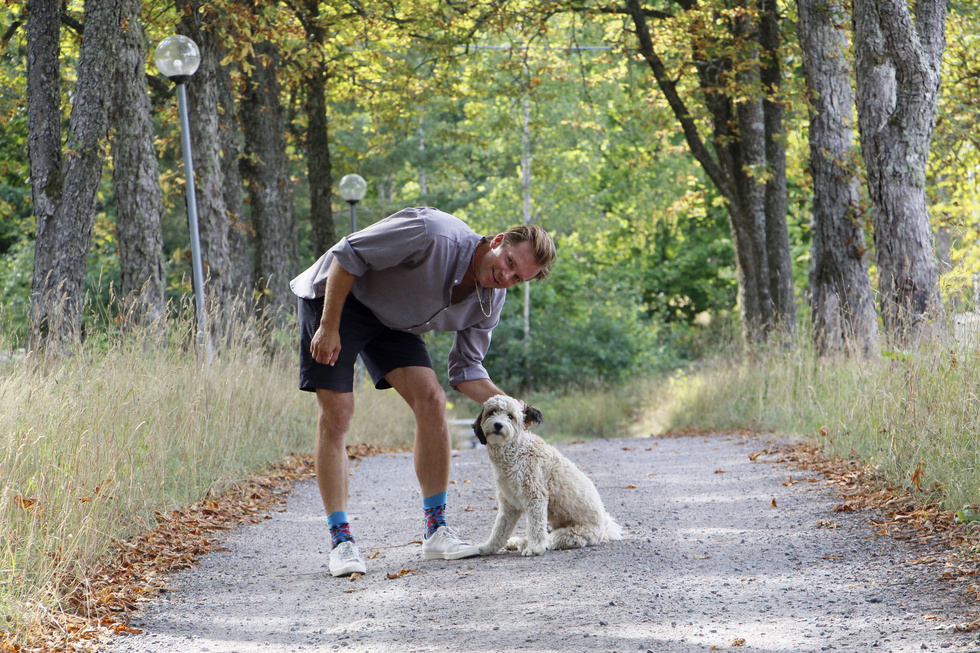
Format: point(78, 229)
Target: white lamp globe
point(177, 56)
point(352, 188)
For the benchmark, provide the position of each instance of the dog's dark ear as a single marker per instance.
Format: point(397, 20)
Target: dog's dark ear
point(532, 415)
point(478, 429)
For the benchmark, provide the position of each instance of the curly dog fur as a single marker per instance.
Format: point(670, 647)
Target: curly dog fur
point(534, 478)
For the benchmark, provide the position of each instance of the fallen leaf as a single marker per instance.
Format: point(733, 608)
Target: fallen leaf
point(773, 504)
point(375, 554)
point(468, 509)
point(630, 487)
point(24, 503)
point(828, 524)
point(738, 641)
point(355, 576)
point(403, 572)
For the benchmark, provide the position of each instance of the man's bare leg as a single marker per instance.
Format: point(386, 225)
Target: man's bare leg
point(330, 452)
point(420, 388)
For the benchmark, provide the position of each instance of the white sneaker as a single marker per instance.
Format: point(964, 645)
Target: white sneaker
point(345, 559)
point(445, 544)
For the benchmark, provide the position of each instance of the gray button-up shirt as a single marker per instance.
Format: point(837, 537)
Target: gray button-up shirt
point(406, 267)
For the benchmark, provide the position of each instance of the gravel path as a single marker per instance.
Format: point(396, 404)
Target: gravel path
point(720, 553)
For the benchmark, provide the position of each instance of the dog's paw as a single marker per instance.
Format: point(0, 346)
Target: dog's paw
point(516, 544)
point(532, 549)
point(488, 549)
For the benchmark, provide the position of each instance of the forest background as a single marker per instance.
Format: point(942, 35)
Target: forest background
point(497, 112)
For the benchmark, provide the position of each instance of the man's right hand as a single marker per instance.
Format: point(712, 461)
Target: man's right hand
point(325, 346)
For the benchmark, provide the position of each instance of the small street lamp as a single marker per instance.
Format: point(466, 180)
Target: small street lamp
point(352, 189)
point(178, 58)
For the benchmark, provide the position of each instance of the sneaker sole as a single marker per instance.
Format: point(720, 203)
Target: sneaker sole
point(465, 553)
point(348, 570)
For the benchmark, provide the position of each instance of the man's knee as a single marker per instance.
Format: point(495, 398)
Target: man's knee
point(430, 401)
point(336, 412)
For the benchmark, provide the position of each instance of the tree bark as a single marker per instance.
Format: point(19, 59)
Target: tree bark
point(269, 186)
point(897, 70)
point(241, 235)
point(319, 165)
point(843, 311)
point(64, 235)
point(135, 179)
point(202, 96)
point(781, 287)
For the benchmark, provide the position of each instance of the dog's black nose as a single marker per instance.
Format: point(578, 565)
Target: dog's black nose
point(497, 426)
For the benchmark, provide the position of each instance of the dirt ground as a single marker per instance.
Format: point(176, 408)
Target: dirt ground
point(720, 553)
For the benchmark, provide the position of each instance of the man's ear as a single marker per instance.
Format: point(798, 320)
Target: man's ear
point(532, 416)
point(478, 429)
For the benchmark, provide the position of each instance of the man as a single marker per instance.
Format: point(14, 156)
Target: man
point(373, 294)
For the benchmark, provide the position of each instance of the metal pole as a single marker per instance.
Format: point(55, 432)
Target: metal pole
point(198, 267)
point(353, 216)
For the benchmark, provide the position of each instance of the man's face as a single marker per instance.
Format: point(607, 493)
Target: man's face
point(507, 265)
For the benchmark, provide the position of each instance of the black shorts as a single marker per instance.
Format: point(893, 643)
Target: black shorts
point(381, 349)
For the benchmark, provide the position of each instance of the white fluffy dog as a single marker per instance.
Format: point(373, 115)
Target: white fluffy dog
point(534, 478)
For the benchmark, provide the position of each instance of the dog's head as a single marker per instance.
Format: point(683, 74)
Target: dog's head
point(505, 417)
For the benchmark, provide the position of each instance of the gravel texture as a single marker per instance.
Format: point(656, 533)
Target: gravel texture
point(720, 553)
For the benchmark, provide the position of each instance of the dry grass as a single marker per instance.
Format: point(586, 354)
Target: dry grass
point(914, 417)
point(94, 447)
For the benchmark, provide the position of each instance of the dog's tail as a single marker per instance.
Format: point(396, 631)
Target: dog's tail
point(611, 530)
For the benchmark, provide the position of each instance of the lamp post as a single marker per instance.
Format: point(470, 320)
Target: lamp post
point(352, 189)
point(178, 58)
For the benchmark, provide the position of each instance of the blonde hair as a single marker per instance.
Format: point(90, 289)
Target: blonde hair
point(541, 244)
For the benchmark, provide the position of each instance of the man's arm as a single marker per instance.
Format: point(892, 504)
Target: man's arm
point(325, 345)
point(479, 390)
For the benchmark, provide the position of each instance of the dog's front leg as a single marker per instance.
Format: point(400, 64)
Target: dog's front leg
point(537, 527)
point(507, 516)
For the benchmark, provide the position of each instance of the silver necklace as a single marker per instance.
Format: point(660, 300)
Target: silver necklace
point(479, 297)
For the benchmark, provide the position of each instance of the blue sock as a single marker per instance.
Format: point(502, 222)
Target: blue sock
point(339, 528)
point(435, 512)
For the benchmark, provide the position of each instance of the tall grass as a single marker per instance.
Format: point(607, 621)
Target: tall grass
point(915, 417)
point(93, 446)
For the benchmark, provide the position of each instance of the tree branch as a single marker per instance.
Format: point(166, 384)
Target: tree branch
point(669, 89)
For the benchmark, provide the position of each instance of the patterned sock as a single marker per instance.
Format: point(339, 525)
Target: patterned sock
point(435, 512)
point(339, 528)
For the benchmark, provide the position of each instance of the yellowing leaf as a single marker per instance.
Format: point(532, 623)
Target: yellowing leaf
point(403, 572)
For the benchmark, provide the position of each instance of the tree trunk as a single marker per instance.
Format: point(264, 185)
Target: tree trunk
point(44, 111)
point(843, 311)
point(781, 287)
point(135, 180)
point(64, 236)
point(202, 96)
point(267, 175)
point(319, 169)
point(241, 235)
point(897, 70)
